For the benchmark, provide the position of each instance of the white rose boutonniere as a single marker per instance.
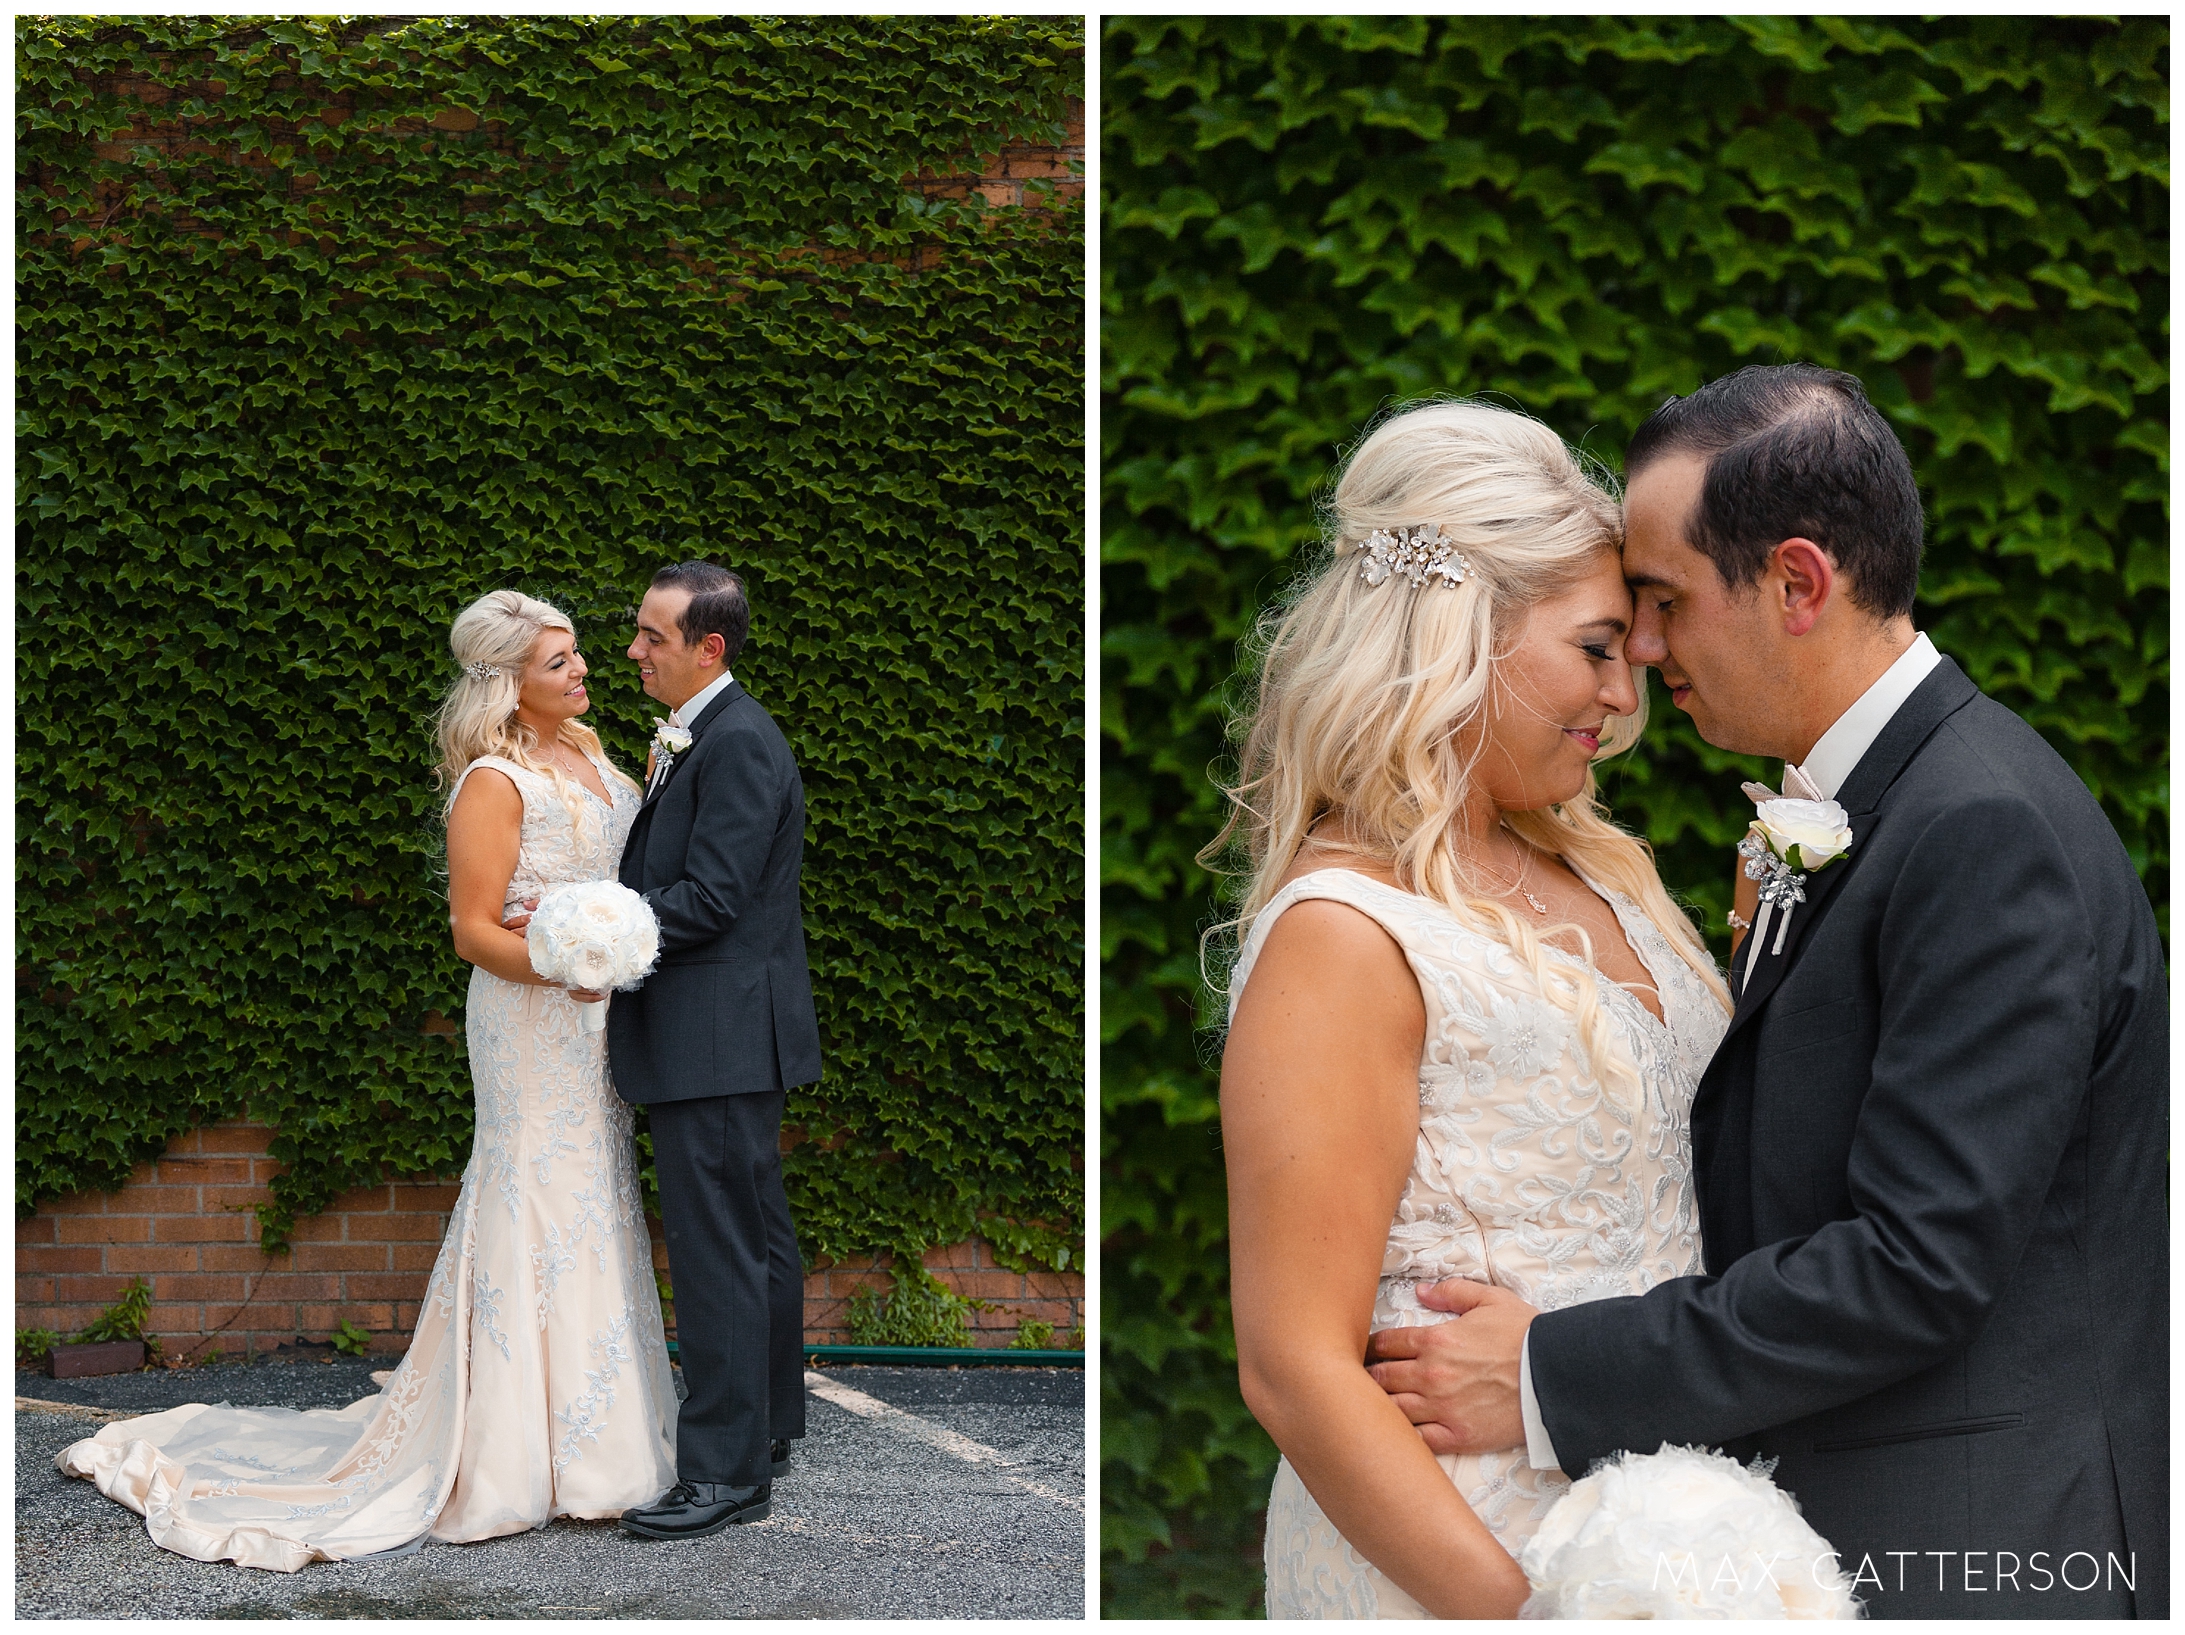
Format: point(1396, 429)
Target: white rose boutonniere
point(1816, 830)
point(669, 742)
point(1788, 835)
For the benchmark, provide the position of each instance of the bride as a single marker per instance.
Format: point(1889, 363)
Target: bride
point(1466, 1020)
point(537, 1383)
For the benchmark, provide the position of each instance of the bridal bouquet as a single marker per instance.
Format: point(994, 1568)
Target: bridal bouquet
point(598, 934)
point(1683, 1533)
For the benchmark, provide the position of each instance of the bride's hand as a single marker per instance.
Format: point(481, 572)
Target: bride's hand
point(517, 921)
point(586, 996)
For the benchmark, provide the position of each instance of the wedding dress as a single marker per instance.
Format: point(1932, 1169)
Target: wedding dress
point(1526, 1175)
point(537, 1382)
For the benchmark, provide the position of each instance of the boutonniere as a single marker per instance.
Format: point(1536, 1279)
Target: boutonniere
point(1788, 836)
point(667, 743)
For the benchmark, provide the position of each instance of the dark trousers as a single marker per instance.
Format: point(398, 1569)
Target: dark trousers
point(738, 1280)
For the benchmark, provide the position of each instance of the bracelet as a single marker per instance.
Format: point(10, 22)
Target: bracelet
point(1738, 922)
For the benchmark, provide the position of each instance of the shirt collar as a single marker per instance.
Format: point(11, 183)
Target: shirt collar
point(691, 708)
point(1837, 755)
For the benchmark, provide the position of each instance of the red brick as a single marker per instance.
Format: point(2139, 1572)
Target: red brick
point(76, 1203)
point(198, 1171)
point(400, 1228)
point(411, 1195)
point(243, 1138)
point(320, 1229)
point(385, 1286)
point(241, 1257)
point(363, 1201)
point(1020, 165)
point(158, 1200)
point(187, 1141)
point(200, 1286)
point(30, 1291)
point(1055, 1285)
point(292, 1286)
point(103, 1228)
point(176, 1317)
point(38, 1229)
point(950, 1254)
point(202, 1229)
point(36, 1259)
point(985, 1285)
point(234, 1197)
point(323, 1320)
point(138, 1258)
point(340, 1257)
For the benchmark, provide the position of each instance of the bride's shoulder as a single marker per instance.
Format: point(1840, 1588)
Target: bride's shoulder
point(503, 779)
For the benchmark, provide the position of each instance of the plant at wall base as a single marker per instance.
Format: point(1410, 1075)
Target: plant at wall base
point(1032, 1335)
point(34, 1345)
point(919, 1310)
point(350, 1340)
point(124, 1320)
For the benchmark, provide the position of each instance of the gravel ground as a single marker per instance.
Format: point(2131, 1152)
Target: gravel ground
point(880, 1517)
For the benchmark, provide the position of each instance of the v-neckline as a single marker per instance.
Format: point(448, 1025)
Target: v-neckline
point(606, 800)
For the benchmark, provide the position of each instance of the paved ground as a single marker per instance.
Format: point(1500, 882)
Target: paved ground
point(920, 1493)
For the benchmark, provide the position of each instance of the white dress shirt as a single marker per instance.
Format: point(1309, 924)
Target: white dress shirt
point(1829, 764)
point(691, 708)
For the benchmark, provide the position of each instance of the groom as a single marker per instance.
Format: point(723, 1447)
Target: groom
point(1930, 1151)
point(720, 1030)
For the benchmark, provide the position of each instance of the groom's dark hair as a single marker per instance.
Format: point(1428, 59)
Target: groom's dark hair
point(1795, 451)
point(716, 605)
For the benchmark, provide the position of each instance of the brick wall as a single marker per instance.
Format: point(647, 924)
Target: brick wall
point(185, 1224)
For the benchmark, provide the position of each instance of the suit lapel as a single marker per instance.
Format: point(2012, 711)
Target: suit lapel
point(721, 701)
point(1944, 692)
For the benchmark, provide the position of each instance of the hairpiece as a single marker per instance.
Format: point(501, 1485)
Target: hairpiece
point(1418, 554)
point(482, 671)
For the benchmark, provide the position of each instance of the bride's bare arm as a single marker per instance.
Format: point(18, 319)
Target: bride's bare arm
point(1320, 1115)
point(485, 837)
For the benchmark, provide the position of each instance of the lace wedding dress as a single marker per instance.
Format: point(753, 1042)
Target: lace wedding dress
point(537, 1382)
point(1526, 1175)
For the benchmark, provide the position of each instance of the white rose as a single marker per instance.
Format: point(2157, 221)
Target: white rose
point(1819, 829)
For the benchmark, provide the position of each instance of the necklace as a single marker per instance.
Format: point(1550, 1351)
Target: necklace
point(1518, 886)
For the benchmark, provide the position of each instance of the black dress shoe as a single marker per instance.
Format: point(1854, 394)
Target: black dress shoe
point(699, 1510)
point(779, 1450)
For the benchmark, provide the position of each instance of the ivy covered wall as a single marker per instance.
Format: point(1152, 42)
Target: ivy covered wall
point(327, 327)
point(1308, 218)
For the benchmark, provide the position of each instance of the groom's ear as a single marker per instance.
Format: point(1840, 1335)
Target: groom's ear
point(1807, 580)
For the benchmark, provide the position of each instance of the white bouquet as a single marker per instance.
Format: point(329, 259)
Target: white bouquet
point(1683, 1533)
point(599, 934)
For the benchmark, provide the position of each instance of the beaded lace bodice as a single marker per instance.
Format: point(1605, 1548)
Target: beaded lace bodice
point(1536, 1169)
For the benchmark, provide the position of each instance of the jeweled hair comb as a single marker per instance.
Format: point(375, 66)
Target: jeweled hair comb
point(481, 671)
point(1421, 555)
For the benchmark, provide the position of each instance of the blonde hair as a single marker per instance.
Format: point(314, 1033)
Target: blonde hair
point(1363, 690)
point(478, 717)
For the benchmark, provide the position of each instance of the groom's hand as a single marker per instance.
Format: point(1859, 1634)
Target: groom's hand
point(1458, 1381)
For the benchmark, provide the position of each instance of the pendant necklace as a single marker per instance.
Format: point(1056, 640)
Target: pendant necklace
point(1538, 907)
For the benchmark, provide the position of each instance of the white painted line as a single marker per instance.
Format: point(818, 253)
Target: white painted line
point(932, 1435)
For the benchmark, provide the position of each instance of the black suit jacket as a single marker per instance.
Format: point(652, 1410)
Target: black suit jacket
point(716, 850)
point(1930, 1158)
